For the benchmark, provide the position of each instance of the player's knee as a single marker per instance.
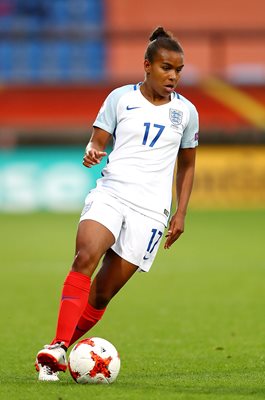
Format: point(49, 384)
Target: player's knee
point(85, 262)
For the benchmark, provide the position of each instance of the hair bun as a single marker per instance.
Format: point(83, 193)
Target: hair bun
point(159, 32)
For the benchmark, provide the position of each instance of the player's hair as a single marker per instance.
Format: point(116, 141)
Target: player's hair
point(161, 39)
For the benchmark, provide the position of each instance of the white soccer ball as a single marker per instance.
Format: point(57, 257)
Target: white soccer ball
point(94, 360)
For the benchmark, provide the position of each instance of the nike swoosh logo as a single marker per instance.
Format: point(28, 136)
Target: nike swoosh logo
point(69, 298)
point(145, 258)
point(131, 108)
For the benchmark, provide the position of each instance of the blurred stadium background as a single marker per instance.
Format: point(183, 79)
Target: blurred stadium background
point(60, 58)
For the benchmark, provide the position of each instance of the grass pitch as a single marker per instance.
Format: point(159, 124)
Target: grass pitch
point(192, 328)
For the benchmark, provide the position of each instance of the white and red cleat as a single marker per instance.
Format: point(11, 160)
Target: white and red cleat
point(46, 374)
point(52, 356)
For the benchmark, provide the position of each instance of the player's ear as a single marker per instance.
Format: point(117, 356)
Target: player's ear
point(147, 66)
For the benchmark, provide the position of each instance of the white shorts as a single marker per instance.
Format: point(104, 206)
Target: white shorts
point(137, 237)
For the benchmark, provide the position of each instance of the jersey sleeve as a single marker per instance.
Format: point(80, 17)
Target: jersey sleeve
point(191, 132)
point(107, 115)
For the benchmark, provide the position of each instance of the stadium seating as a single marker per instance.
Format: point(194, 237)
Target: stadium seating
point(49, 40)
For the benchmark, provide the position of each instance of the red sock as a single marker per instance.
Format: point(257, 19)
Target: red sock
point(88, 319)
point(73, 302)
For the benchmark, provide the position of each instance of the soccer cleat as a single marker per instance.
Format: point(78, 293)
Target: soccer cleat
point(46, 374)
point(53, 356)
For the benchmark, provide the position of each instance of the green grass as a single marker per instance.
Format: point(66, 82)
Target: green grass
point(192, 328)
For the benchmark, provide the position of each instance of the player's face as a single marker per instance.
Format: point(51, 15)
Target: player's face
point(164, 72)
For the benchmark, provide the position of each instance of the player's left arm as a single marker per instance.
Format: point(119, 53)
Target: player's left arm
point(184, 183)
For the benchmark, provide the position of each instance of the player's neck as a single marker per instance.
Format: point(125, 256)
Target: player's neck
point(151, 95)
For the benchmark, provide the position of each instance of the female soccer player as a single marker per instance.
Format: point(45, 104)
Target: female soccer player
point(124, 217)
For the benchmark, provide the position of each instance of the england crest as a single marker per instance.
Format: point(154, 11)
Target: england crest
point(175, 116)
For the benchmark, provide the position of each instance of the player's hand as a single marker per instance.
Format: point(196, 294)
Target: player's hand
point(176, 228)
point(93, 157)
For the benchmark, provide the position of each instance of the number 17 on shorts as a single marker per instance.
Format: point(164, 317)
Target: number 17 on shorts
point(151, 249)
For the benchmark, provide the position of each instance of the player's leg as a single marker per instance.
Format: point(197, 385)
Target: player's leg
point(112, 276)
point(100, 224)
point(135, 247)
point(93, 239)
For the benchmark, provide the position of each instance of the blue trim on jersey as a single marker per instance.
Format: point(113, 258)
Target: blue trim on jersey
point(178, 96)
point(137, 85)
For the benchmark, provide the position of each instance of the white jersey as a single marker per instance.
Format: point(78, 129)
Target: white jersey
point(146, 140)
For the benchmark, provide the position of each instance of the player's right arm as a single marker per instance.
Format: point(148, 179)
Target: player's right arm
point(103, 127)
point(95, 150)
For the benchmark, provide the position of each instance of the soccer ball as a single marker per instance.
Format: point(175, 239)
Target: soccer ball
point(94, 360)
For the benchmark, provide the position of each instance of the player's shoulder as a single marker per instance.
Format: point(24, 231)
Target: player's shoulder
point(191, 107)
point(119, 92)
